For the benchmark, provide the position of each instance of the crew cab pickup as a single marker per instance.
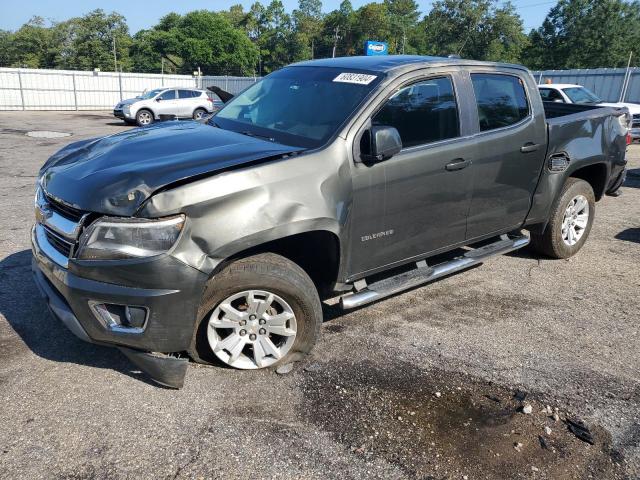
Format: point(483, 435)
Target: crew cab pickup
point(340, 177)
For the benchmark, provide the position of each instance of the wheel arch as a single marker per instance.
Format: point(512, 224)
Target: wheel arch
point(317, 252)
point(148, 109)
point(551, 184)
point(595, 174)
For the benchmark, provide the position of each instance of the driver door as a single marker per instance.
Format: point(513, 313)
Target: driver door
point(417, 201)
point(166, 103)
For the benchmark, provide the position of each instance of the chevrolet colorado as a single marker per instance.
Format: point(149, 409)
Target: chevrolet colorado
point(338, 177)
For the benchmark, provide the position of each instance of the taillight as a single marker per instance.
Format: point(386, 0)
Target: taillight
point(210, 99)
point(628, 138)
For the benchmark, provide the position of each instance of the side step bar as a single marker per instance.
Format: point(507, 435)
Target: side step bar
point(424, 274)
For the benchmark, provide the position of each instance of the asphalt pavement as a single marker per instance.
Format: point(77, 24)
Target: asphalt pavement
point(435, 383)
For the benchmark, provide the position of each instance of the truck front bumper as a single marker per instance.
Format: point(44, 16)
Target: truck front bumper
point(165, 288)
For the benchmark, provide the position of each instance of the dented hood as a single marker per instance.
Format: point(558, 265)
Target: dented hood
point(116, 174)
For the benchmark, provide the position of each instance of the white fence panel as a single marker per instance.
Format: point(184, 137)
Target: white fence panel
point(35, 89)
point(10, 98)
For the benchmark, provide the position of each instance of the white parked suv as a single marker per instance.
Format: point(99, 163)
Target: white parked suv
point(571, 93)
point(148, 107)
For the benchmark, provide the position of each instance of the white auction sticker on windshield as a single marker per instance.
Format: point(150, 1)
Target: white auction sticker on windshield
point(359, 78)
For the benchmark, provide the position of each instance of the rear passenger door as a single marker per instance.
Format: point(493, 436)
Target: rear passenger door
point(166, 103)
point(510, 150)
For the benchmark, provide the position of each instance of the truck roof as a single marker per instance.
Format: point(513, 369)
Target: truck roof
point(387, 63)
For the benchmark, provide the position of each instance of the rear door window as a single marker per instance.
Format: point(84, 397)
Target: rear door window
point(185, 94)
point(501, 100)
point(423, 112)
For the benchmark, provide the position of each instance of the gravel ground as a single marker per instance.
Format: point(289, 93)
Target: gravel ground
point(429, 384)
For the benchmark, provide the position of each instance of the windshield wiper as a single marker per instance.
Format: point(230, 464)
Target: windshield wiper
point(251, 134)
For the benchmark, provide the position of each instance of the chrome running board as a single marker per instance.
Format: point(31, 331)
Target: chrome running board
point(424, 274)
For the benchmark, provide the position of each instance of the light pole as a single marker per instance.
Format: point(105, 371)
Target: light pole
point(336, 37)
point(115, 57)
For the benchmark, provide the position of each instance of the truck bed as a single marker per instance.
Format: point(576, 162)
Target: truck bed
point(555, 109)
point(582, 135)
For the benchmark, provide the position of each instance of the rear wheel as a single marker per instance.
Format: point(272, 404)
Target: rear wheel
point(570, 222)
point(144, 118)
point(258, 312)
point(199, 113)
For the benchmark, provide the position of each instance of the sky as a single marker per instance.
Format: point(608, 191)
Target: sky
point(141, 14)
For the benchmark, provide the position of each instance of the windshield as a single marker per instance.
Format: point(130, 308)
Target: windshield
point(300, 106)
point(581, 95)
point(151, 94)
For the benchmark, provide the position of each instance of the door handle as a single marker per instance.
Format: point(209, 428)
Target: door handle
point(529, 147)
point(457, 164)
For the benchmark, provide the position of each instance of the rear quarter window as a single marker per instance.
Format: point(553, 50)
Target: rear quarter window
point(501, 100)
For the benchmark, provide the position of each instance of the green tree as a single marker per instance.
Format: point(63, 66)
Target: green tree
point(200, 38)
point(6, 48)
point(236, 15)
point(337, 32)
point(278, 41)
point(372, 22)
point(34, 45)
point(477, 29)
point(585, 34)
point(403, 17)
point(89, 42)
point(308, 26)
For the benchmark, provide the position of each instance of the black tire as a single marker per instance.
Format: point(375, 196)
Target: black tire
point(550, 242)
point(265, 271)
point(198, 113)
point(144, 117)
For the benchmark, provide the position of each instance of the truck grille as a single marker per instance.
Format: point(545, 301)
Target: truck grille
point(61, 245)
point(65, 210)
point(58, 227)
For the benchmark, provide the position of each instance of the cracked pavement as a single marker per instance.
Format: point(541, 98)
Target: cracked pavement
point(363, 405)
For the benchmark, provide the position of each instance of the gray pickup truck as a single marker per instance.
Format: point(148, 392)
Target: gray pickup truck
point(341, 177)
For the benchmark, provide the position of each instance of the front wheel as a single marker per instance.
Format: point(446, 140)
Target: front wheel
point(570, 222)
point(258, 312)
point(144, 118)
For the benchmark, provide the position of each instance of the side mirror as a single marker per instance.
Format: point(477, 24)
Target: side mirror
point(385, 143)
point(158, 99)
point(558, 100)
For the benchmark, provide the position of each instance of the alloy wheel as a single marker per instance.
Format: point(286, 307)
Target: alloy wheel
point(144, 118)
point(252, 329)
point(575, 220)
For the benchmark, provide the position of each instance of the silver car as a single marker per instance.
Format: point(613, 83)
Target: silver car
point(179, 102)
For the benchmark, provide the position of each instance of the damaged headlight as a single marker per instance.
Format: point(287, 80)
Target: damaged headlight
point(114, 238)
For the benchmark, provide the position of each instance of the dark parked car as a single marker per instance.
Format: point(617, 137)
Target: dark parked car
point(331, 177)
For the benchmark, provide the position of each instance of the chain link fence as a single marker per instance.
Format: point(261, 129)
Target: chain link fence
point(34, 89)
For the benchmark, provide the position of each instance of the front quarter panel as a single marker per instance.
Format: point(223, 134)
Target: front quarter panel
point(246, 207)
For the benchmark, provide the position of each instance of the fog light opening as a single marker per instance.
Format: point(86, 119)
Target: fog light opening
point(121, 318)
